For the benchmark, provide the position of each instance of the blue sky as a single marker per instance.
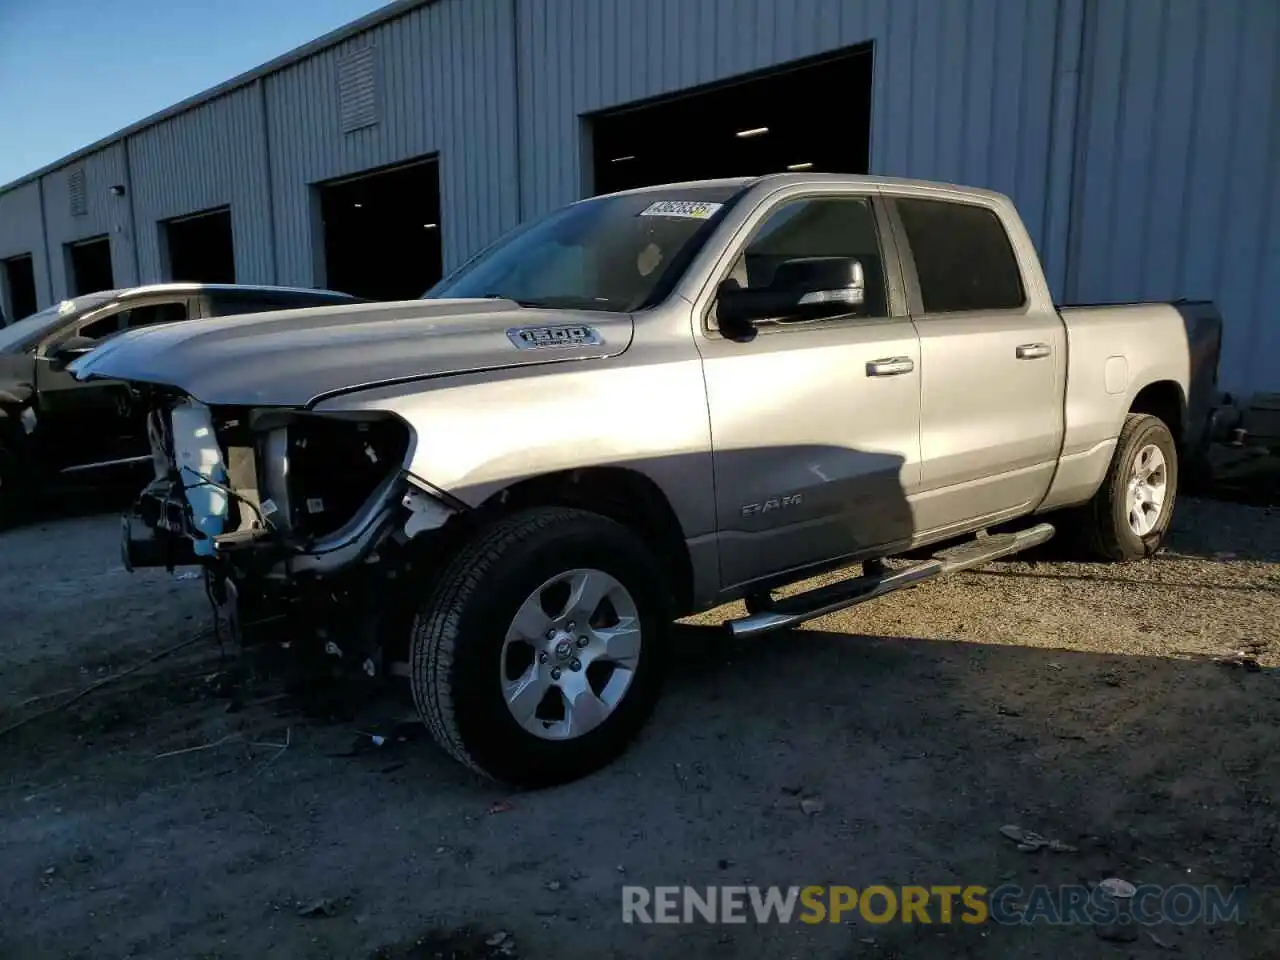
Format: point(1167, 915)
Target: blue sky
point(74, 71)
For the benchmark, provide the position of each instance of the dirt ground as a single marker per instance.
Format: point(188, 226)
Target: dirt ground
point(187, 810)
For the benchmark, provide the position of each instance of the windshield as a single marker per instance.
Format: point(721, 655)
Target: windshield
point(617, 253)
point(24, 333)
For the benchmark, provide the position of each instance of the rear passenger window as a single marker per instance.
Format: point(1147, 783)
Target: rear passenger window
point(963, 257)
point(230, 306)
point(266, 303)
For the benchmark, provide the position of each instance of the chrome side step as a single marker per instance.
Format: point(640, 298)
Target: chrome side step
point(792, 611)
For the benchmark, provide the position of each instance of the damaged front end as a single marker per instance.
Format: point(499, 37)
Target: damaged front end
point(305, 523)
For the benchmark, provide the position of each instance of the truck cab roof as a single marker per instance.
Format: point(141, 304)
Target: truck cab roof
point(868, 181)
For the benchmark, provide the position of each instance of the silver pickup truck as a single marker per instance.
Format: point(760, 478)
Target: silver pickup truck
point(642, 406)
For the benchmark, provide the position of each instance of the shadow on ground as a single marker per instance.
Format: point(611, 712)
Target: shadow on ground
point(1158, 770)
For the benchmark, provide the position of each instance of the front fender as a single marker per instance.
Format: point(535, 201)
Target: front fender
point(476, 435)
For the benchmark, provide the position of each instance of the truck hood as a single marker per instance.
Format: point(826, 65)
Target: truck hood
point(295, 357)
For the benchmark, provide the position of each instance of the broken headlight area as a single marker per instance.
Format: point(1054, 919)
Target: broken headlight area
point(319, 470)
point(272, 492)
point(306, 525)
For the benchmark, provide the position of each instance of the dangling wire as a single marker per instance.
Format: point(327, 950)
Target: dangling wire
point(239, 497)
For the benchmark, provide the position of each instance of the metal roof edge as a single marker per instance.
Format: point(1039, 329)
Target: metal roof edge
point(392, 11)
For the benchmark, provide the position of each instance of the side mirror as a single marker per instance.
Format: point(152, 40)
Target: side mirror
point(805, 288)
point(70, 350)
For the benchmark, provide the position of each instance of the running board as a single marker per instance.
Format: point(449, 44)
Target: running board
point(791, 611)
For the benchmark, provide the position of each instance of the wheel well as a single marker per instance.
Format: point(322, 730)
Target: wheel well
point(623, 495)
point(1163, 399)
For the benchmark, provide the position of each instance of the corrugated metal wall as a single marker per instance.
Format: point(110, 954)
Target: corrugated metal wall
point(1178, 174)
point(1139, 138)
point(22, 232)
point(211, 156)
point(446, 86)
point(105, 214)
point(963, 89)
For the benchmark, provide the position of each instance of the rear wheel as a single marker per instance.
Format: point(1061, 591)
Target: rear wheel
point(538, 656)
point(1129, 515)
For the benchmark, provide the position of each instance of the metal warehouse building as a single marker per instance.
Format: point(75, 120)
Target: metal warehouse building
point(1139, 138)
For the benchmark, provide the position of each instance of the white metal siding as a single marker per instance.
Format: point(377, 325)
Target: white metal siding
point(21, 232)
point(445, 86)
point(212, 156)
point(1178, 178)
point(105, 214)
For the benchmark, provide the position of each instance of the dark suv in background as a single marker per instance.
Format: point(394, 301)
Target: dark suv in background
point(52, 426)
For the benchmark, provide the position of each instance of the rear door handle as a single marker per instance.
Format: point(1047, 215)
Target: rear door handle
point(890, 367)
point(1032, 351)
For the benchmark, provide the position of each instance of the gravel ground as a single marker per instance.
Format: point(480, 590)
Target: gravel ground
point(1081, 701)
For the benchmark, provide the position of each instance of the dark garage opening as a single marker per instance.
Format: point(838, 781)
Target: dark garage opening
point(200, 247)
point(20, 278)
point(382, 232)
point(90, 262)
point(812, 115)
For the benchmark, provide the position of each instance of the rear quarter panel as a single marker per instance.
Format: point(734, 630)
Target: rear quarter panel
point(1113, 352)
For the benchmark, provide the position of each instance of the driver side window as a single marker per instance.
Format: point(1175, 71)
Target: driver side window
point(812, 228)
point(104, 327)
point(144, 315)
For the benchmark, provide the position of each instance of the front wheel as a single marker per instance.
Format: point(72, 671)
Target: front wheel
point(16, 494)
point(538, 657)
point(1129, 515)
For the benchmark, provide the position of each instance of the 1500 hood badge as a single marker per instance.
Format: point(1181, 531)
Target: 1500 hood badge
point(537, 338)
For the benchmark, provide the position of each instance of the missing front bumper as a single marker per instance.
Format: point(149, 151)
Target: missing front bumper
point(146, 544)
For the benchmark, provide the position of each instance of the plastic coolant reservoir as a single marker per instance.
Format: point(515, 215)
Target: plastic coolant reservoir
point(196, 452)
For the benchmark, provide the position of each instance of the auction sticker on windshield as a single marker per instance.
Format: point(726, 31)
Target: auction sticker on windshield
point(687, 209)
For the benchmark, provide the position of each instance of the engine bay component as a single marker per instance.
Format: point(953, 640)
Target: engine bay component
point(425, 513)
point(198, 459)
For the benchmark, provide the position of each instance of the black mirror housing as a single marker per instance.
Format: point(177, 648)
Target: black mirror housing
point(803, 288)
point(71, 349)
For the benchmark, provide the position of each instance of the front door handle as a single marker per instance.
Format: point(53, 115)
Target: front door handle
point(1032, 351)
point(890, 367)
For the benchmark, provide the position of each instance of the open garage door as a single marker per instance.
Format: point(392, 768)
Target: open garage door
point(810, 115)
point(20, 282)
point(200, 247)
point(89, 265)
point(382, 232)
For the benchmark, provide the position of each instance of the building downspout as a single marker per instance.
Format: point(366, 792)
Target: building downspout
point(44, 240)
point(133, 217)
point(270, 185)
point(1086, 28)
point(1060, 172)
point(515, 107)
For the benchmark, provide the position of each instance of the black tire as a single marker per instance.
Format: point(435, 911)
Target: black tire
point(15, 488)
point(1108, 534)
point(458, 635)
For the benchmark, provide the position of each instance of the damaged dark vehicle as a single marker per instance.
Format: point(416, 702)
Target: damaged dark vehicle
point(55, 430)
